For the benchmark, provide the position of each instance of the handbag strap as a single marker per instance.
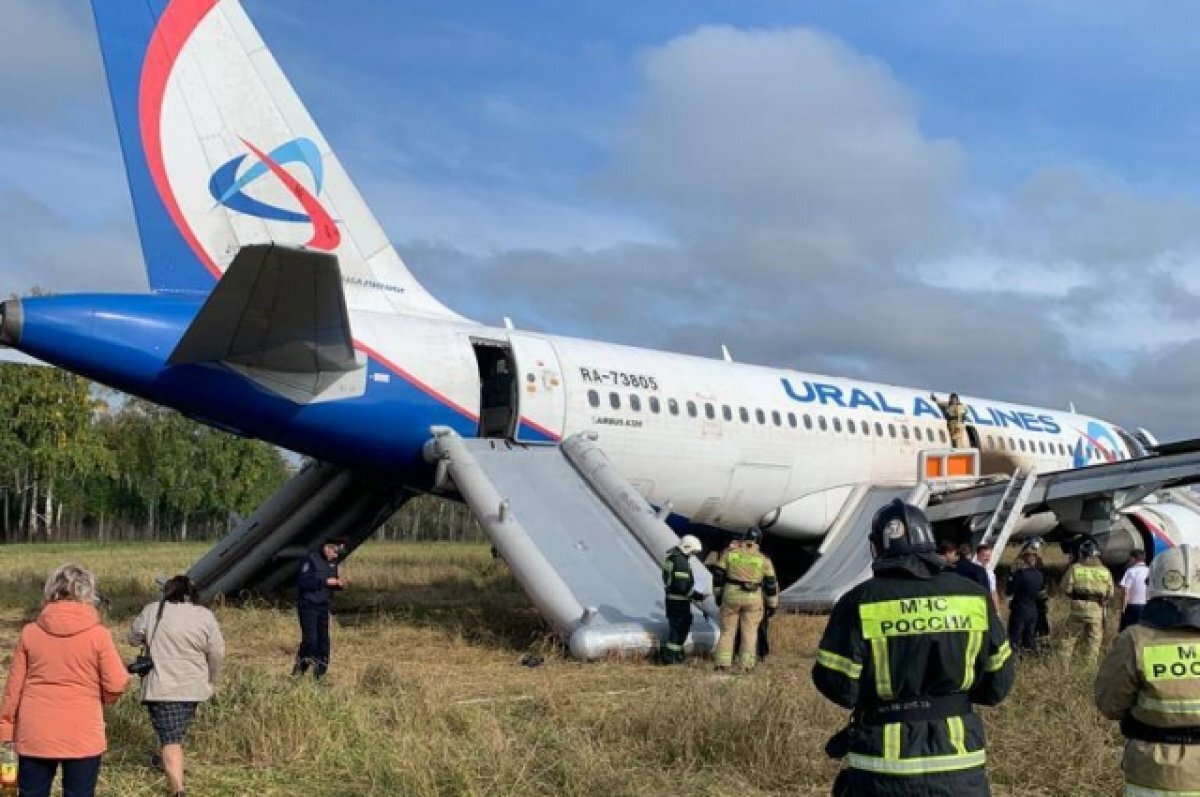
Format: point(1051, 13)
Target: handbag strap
point(162, 604)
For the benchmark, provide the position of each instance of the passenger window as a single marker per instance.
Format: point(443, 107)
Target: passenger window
point(792, 419)
point(850, 427)
point(942, 435)
point(635, 402)
point(775, 419)
point(892, 430)
point(593, 398)
point(760, 416)
point(904, 432)
point(917, 432)
point(821, 423)
point(989, 441)
point(710, 411)
point(1062, 449)
point(673, 406)
point(866, 427)
point(1021, 443)
point(655, 407)
point(726, 412)
point(878, 429)
point(1042, 446)
point(744, 414)
point(614, 401)
point(837, 424)
point(691, 405)
point(808, 422)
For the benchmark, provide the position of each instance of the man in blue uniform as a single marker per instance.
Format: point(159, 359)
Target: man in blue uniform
point(910, 651)
point(316, 583)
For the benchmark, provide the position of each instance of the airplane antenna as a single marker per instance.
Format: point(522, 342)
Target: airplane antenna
point(508, 324)
point(1072, 404)
point(725, 353)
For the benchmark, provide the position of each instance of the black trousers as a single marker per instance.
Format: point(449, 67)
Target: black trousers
point(679, 622)
point(314, 640)
point(35, 776)
point(1022, 626)
point(1131, 615)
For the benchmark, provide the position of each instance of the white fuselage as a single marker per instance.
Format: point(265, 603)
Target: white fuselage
point(726, 443)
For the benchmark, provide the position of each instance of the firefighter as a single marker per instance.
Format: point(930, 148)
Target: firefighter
point(1089, 586)
point(910, 651)
point(1150, 681)
point(680, 586)
point(955, 413)
point(1025, 586)
point(745, 587)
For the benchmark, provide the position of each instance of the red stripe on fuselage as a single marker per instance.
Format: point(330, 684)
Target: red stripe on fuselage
point(412, 380)
point(177, 24)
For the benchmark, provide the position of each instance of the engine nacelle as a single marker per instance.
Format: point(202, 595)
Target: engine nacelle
point(1163, 522)
point(807, 519)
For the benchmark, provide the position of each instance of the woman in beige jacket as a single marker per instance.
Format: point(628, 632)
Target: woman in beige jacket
point(187, 649)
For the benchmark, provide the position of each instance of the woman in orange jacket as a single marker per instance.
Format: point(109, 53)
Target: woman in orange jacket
point(64, 670)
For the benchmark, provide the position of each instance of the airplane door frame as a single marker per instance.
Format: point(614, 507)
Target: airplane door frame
point(541, 391)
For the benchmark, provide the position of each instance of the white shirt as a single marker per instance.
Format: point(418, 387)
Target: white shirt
point(1134, 584)
point(991, 573)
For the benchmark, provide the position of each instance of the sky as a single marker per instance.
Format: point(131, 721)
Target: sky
point(997, 198)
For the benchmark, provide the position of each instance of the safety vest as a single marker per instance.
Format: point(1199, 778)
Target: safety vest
point(745, 569)
point(1088, 582)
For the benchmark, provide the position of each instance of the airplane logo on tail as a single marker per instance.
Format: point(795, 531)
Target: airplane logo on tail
point(228, 188)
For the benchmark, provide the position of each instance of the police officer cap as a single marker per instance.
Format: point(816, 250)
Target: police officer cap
point(899, 528)
point(1088, 549)
point(752, 534)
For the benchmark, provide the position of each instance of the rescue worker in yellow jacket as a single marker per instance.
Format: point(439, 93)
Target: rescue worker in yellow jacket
point(910, 651)
point(1089, 586)
point(745, 586)
point(1150, 681)
point(955, 413)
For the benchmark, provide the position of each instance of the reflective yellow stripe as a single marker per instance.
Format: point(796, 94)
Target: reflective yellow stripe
point(833, 661)
point(932, 615)
point(1171, 662)
point(974, 645)
point(958, 734)
point(996, 660)
point(1133, 790)
point(891, 741)
point(917, 766)
point(883, 668)
point(1169, 706)
point(685, 574)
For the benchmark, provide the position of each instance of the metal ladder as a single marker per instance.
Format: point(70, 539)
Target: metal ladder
point(1008, 511)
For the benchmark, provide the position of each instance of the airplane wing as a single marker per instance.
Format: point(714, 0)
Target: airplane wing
point(278, 315)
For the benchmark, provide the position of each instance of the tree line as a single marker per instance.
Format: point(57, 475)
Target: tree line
point(81, 462)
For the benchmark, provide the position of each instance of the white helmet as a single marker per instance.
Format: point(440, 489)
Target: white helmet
point(1175, 573)
point(690, 545)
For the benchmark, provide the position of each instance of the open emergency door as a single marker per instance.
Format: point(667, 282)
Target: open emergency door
point(540, 392)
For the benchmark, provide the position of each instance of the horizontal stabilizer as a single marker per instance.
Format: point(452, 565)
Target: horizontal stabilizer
point(276, 308)
point(279, 316)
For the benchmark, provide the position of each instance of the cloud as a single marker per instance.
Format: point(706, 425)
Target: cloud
point(60, 255)
point(810, 223)
point(47, 57)
point(787, 143)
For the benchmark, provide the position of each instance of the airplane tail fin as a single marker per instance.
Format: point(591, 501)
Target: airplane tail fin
point(221, 154)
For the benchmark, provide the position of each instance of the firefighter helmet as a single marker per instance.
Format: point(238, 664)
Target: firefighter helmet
point(689, 545)
point(1175, 573)
point(899, 528)
point(1088, 549)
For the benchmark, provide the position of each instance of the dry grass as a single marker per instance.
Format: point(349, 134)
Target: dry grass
point(427, 697)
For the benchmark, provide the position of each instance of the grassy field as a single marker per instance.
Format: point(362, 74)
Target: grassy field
point(427, 696)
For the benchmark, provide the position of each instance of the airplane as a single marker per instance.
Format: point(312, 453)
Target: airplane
point(280, 311)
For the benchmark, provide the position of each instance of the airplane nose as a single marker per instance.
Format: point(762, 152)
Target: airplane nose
point(10, 322)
